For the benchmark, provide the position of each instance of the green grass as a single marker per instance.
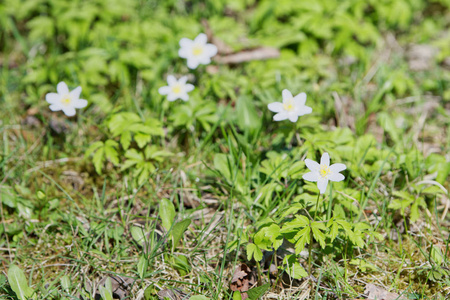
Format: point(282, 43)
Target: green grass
point(72, 215)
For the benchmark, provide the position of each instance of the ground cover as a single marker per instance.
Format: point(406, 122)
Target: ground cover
point(182, 177)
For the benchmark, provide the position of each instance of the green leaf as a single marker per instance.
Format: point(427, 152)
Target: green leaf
point(137, 233)
point(293, 267)
point(104, 293)
point(18, 283)
point(111, 154)
point(99, 159)
point(65, 283)
point(125, 139)
point(92, 148)
point(178, 230)
point(198, 297)
point(221, 165)
point(142, 266)
point(181, 264)
point(436, 255)
point(257, 292)
point(108, 284)
point(142, 139)
point(166, 213)
point(303, 239)
point(334, 230)
point(363, 265)
point(254, 251)
point(134, 155)
point(237, 295)
point(273, 231)
point(247, 118)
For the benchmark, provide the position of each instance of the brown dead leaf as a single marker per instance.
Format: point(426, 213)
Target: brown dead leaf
point(243, 279)
point(58, 126)
point(121, 286)
point(172, 294)
point(31, 121)
point(248, 55)
point(374, 292)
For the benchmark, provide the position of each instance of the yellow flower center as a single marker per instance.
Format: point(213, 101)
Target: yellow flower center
point(176, 89)
point(66, 100)
point(324, 171)
point(289, 105)
point(197, 50)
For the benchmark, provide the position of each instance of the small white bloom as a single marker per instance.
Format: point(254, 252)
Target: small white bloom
point(176, 89)
point(291, 107)
point(197, 51)
point(323, 172)
point(65, 100)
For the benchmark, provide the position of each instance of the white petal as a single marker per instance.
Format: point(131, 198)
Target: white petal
point(204, 60)
point(79, 103)
point(76, 93)
point(55, 107)
point(164, 90)
point(336, 177)
point(172, 97)
point(171, 80)
point(312, 165)
point(276, 107)
point(62, 88)
point(280, 116)
point(184, 97)
point(293, 117)
point(211, 50)
point(304, 110)
point(189, 87)
point(192, 63)
point(311, 176)
point(186, 43)
point(184, 52)
point(286, 94)
point(300, 99)
point(52, 98)
point(325, 159)
point(183, 79)
point(201, 39)
point(336, 168)
point(322, 185)
point(69, 111)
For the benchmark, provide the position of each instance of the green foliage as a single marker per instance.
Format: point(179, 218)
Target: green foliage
point(178, 231)
point(167, 213)
point(129, 126)
point(106, 291)
point(371, 111)
point(143, 163)
point(195, 114)
point(257, 292)
point(198, 297)
point(102, 151)
point(18, 283)
point(142, 266)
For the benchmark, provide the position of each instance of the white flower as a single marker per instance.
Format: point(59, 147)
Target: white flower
point(291, 107)
point(65, 100)
point(176, 89)
point(197, 51)
point(323, 172)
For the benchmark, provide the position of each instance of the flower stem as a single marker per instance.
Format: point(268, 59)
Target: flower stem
point(317, 206)
point(311, 238)
point(310, 251)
